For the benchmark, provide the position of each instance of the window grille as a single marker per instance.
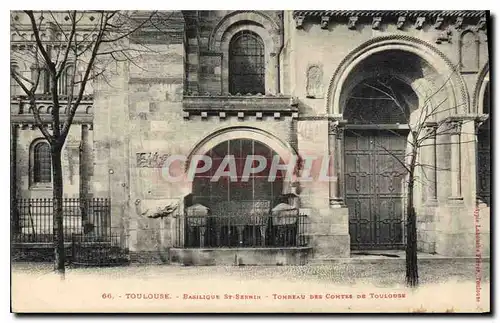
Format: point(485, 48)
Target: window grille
point(42, 163)
point(246, 64)
point(380, 101)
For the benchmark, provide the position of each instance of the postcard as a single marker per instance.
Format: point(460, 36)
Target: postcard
point(284, 161)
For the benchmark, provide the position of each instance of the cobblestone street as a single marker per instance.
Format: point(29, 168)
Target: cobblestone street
point(346, 286)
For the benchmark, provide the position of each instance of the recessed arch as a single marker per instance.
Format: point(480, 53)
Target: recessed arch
point(483, 80)
point(252, 17)
point(260, 24)
point(457, 94)
point(468, 48)
point(282, 148)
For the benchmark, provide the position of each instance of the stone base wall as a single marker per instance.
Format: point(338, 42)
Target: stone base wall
point(426, 229)
point(240, 257)
point(463, 231)
point(329, 233)
point(156, 257)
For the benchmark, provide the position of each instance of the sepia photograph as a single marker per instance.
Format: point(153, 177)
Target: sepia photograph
point(250, 161)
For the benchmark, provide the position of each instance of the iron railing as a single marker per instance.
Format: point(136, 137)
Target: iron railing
point(91, 250)
point(242, 231)
point(33, 219)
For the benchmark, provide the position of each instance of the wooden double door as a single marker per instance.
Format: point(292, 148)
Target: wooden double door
point(374, 188)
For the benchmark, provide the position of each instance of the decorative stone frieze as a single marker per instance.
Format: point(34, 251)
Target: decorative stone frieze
point(481, 24)
point(299, 21)
point(151, 159)
point(325, 20)
point(438, 18)
point(352, 22)
point(439, 22)
point(24, 113)
point(401, 22)
point(376, 23)
point(236, 105)
point(444, 36)
point(419, 24)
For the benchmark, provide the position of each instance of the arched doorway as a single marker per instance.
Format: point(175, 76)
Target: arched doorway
point(484, 151)
point(238, 206)
point(379, 100)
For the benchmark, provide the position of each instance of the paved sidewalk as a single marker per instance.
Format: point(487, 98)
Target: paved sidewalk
point(378, 273)
point(445, 286)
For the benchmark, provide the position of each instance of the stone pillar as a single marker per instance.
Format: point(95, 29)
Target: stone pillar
point(274, 78)
point(334, 163)
point(430, 167)
point(456, 185)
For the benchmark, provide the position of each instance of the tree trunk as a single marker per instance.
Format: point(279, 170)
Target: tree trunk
point(411, 236)
point(57, 192)
point(14, 217)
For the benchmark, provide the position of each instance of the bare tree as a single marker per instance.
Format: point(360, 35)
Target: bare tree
point(68, 51)
point(427, 121)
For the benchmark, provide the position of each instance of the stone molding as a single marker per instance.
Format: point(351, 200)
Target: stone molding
point(418, 17)
point(45, 106)
point(483, 79)
point(241, 106)
point(257, 17)
point(23, 116)
point(399, 42)
point(279, 145)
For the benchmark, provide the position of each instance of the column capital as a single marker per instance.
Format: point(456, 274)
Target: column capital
point(335, 126)
point(430, 124)
point(430, 129)
point(455, 126)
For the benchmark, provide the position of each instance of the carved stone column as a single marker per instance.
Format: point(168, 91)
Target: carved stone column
point(335, 133)
point(478, 122)
point(456, 167)
point(430, 161)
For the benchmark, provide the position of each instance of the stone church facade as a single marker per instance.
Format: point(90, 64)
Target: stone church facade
point(291, 84)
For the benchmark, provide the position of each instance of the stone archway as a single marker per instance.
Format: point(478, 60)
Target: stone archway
point(483, 167)
point(452, 82)
point(381, 99)
point(238, 204)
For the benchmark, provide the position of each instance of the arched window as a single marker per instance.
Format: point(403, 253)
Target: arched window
point(42, 164)
point(43, 82)
point(66, 78)
point(246, 63)
point(469, 52)
point(14, 87)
